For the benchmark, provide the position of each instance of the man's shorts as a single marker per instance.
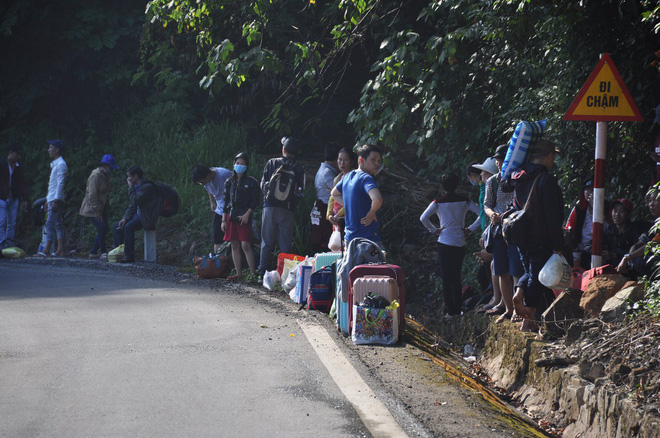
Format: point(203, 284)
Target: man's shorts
point(506, 259)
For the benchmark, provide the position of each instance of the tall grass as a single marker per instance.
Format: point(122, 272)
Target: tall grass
point(161, 142)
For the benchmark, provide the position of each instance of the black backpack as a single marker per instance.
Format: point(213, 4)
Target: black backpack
point(282, 186)
point(170, 200)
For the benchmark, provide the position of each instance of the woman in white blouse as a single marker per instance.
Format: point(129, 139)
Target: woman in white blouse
point(451, 209)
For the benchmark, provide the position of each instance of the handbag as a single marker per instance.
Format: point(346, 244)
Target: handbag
point(214, 266)
point(515, 222)
point(489, 234)
point(375, 326)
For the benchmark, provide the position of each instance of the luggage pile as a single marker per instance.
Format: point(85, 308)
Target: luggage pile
point(365, 294)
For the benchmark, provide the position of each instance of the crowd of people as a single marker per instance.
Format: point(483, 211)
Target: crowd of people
point(346, 204)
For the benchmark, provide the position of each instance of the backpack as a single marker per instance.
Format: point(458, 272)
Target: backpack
point(282, 186)
point(170, 200)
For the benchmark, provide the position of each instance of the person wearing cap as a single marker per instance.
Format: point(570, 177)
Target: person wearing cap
point(545, 234)
point(622, 233)
point(277, 221)
point(55, 200)
point(488, 168)
point(13, 191)
point(95, 203)
point(241, 197)
point(213, 179)
point(323, 182)
point(506, 259)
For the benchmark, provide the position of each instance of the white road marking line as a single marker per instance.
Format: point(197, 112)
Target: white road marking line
point(372, 411)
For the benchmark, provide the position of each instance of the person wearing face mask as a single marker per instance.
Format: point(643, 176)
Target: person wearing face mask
point(95, 203)
point(241, 197)
point(213, 179)
point(360, 196)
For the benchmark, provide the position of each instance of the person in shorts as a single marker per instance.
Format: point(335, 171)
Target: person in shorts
point(213, 179)
point(240, 199)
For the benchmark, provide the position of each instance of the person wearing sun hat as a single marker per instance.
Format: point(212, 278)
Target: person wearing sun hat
point(55, 199)
point(95, 203)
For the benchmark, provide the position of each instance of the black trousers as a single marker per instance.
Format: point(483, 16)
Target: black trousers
point(449, 268)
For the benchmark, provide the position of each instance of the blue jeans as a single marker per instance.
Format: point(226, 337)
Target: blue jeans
point(8, 215)
point(101, 230)
point(276, 223)
point(55, 222)
point(127, 235)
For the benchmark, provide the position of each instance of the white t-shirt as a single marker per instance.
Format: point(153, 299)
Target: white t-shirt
point(217, 187)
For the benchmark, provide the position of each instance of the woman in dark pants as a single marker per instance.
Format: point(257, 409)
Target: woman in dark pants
point(451, 210)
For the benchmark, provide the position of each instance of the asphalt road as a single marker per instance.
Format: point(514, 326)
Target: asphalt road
point(86, 354)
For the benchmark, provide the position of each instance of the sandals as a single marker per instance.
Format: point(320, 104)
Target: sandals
point(503, 317)
point(41, 254)
point(234, 277)
point(516, 318)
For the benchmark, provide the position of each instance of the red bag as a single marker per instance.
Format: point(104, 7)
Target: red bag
point(283, 256)
point(595, 272)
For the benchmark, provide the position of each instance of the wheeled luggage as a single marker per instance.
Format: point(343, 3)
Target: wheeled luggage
point(321, 290)
point(324, 259)
point(341, 306)
point(388, 281)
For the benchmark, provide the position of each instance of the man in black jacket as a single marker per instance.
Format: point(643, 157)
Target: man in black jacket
point(142, 212)
point(545, 236)
point(12, 191)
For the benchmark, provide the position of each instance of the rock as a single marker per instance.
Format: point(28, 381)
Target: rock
point(565, 308)
point(599, 290)
point(615, 307)
point(591, 371)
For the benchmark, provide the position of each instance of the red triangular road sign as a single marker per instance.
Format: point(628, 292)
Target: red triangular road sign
point(604, 97)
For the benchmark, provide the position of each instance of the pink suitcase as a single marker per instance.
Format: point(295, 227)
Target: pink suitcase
point(382, 279)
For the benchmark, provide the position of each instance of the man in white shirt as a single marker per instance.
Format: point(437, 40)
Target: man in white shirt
point(323, 182)
point(213, 179)
point(55, 199)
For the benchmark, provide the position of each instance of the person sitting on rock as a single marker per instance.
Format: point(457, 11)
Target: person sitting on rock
point(633, 264)
point(622, 233)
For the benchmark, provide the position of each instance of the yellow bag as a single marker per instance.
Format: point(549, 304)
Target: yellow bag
point(13, 252)
point(116, 254)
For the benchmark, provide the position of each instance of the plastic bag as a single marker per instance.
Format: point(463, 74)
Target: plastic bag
point(116, 254)
point(13, 252)
point(556, 273)
point(335, 240)
point(287, 266)
point(290, 280)
point(271, 278)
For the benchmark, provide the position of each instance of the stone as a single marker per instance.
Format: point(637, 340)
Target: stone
point(591, 371)
point(564, 309)
point(614, 309)
point(599, 290)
